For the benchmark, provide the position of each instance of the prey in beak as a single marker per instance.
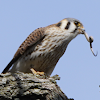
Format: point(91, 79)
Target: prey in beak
point(89, 39)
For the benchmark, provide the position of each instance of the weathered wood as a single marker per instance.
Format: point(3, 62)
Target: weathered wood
point(21, 86)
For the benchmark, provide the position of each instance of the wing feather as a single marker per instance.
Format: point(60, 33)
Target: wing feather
point(33, 38)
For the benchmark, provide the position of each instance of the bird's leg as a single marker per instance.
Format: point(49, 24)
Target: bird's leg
point(36, 72)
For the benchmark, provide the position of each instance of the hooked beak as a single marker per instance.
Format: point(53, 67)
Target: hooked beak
point(81, 30)
point(89, 39)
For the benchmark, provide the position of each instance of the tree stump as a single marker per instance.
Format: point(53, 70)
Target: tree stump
point(26, 86)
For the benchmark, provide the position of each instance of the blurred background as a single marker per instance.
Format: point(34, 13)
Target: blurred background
point(78, 68)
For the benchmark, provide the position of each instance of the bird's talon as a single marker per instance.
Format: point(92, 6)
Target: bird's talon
point(40, 73)
point(36, 73)
point(33, 71)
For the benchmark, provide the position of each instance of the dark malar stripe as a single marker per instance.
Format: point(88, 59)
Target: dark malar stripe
point(67, 26)
point(74, 30)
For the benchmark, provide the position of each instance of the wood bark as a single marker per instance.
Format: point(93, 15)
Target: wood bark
point(22, 86)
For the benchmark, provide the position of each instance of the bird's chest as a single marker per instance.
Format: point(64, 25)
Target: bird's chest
point(48, 48)
point(46, 56)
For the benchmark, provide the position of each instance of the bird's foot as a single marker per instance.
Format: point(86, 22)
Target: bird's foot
point(36, 72)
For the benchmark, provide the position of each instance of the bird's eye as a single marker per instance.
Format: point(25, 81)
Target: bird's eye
point(77, 23)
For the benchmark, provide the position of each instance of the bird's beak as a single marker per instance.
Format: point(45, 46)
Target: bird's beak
point(81, 30)
point(89, 39)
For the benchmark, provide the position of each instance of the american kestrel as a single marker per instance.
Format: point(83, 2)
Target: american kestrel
point(43, 47)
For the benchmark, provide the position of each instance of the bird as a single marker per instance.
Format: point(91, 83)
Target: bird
point(43, 48)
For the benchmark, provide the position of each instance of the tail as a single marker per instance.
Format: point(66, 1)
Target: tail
point(11, 63)
point(8, 66)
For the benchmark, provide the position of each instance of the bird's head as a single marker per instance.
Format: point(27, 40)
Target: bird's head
point(73, 27)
